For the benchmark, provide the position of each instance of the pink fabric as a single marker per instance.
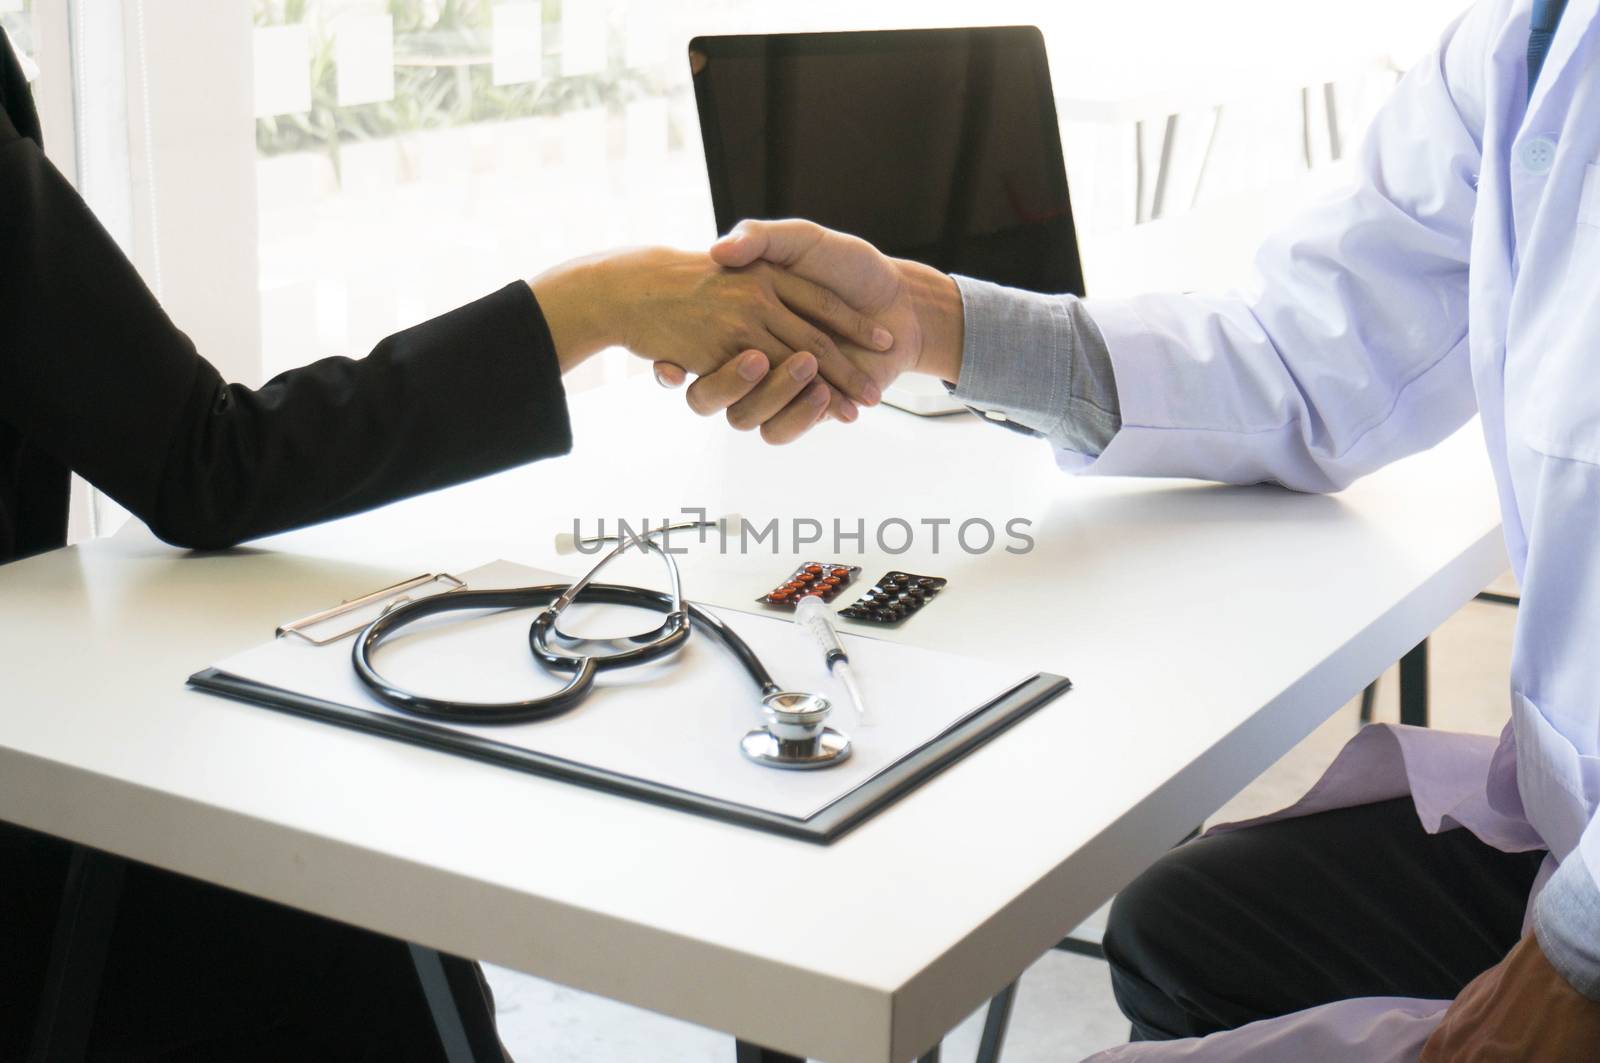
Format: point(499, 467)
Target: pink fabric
point(1456, 780)
point(1371, 1030)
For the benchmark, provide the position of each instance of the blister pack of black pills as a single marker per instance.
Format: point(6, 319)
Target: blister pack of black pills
point(896, 596)
point(820, 578)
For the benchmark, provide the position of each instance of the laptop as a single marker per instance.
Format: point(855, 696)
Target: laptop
point(939, 145)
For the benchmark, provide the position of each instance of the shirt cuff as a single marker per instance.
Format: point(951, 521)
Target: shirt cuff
point(1566, 920)
point(1038, 361)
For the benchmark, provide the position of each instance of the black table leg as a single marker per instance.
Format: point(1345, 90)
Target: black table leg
point(77, 956)
point(1414, 686)
point(1369, 699)
point(456, 999)
point(1078, 947)
point(995, 1023)
point(745, 1052)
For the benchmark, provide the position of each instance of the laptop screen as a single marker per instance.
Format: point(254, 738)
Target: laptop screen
point(936, 145)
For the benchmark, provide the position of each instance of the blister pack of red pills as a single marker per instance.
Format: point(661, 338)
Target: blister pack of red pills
point(820, 578)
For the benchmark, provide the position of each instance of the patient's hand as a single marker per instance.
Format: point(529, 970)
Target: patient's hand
point(920, 306)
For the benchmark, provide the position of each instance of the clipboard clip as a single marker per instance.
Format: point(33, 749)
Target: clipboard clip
point(401, 593)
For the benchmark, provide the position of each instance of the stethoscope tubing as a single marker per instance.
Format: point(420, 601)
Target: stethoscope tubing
point(584, 668)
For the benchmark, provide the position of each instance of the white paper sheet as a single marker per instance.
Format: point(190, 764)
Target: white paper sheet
point(677, 722)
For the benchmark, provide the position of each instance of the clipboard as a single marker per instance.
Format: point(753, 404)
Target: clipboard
point(323, 691)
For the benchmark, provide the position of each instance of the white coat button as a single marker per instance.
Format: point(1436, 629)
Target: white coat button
point(1537, 154)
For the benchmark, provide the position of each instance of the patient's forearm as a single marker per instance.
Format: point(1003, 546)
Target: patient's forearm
point(577, 309)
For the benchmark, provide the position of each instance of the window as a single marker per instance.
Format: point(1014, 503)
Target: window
point(16, 18)
point(415, 154)
point(299, 178)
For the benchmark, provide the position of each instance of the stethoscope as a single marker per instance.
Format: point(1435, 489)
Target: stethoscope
point(795, 734)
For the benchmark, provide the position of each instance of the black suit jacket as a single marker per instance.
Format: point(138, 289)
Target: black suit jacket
point(95, 378)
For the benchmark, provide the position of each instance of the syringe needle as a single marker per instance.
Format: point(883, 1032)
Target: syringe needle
point(848, 678)
point(812, 614)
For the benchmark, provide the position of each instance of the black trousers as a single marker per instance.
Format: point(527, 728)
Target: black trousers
point(199, 973)
point(1269, 920)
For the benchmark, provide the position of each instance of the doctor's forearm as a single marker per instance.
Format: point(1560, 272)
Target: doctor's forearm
point(1038, 361)
point(1567, 922)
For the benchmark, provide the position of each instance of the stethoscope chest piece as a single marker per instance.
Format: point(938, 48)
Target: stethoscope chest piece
point(795, 736)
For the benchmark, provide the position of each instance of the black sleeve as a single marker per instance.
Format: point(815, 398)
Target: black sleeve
point(93, 373)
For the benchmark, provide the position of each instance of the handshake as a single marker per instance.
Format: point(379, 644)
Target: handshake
point(783, 323)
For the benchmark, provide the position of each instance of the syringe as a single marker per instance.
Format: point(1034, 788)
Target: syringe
point(811, 613)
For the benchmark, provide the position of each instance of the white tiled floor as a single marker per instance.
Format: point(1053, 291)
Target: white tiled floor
point(1064, 1008)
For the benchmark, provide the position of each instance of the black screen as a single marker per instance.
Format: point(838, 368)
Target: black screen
point(936, 145)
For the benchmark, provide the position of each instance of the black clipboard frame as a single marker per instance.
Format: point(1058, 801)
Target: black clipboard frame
point(827, 825)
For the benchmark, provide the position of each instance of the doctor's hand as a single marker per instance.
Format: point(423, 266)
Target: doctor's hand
point(683, 308)
point(1519, 1009)
point(920, 306)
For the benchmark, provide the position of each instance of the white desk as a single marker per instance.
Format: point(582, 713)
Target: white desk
point(1207, 628)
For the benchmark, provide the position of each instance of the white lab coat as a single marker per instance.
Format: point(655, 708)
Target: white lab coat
point(1459, 274)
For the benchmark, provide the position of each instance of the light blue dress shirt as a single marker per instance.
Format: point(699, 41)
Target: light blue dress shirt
point(1457, 275)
